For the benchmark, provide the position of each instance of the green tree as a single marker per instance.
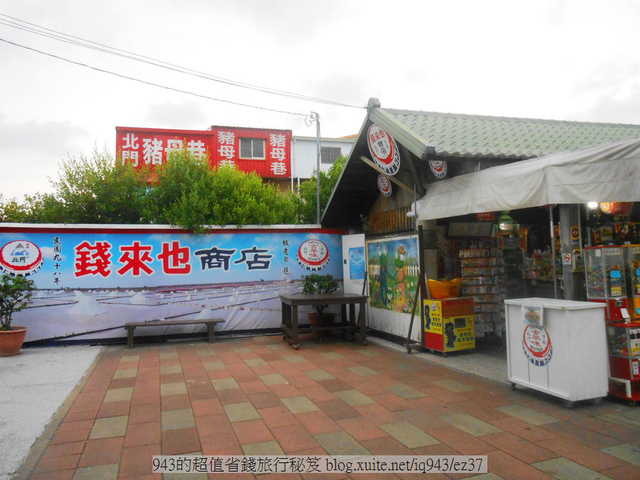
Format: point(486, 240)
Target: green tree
point(185, 192)
point(191, 194)
point(88, 190)
point(11, 210)
point(98, 190)
point(307, 200)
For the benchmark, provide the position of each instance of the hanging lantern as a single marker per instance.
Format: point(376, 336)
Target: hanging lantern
point(617, 208)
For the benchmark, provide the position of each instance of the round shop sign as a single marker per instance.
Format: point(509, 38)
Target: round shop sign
point(384, 185)
point(438, 168)
point(20, 257)
point(536, 344)
point(384, 150)
point(313, 255)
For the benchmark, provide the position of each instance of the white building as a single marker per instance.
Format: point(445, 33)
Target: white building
point(304, 154)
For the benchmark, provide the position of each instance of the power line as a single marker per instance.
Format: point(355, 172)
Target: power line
point(146, 82)
point(81, 42)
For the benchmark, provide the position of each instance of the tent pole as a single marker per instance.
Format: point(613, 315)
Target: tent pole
point(553, 253)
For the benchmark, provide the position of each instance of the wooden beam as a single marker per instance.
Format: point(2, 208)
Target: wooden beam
point(414, 172)
point(392, 178)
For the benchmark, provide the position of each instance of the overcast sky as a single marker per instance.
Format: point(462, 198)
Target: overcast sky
point(554, 59)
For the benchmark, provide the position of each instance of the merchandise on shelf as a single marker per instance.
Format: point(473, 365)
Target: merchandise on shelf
point(605, 276)
point(632, 275)
point(539, 267)
point(482, 274)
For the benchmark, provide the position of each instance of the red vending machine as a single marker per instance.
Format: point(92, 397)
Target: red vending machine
point(613, 278)
point(449, 325)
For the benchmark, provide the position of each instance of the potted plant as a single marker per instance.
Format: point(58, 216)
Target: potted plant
point(15, 292)
point(315, 284)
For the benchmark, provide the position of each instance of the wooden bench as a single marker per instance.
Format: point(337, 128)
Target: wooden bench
point(209, 322)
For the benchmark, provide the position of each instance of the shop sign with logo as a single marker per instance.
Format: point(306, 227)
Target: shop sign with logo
point(117, 259)
point(20, 257)
point(384, 150)
point(438, 168)
point(384, 185)
point(90, 282)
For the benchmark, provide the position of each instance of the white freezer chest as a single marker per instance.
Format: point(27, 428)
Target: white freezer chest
point(558, 347)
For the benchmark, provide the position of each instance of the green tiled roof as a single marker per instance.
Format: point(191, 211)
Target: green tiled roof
point(502, 137)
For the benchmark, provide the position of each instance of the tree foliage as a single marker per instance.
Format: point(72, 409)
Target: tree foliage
point(97, 190)
point(184, 192)
point(307, 200)
point(218, 196)
point(87, 190)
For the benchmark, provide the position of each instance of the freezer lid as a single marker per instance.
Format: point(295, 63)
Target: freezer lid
point(553, 303)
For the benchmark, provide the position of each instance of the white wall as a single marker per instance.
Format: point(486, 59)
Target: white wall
point(304, 153)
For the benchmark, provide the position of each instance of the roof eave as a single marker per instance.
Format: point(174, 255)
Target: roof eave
point(400, 133)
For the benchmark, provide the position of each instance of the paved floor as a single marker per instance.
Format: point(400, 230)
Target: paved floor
point(33, 386)
point(259, 396)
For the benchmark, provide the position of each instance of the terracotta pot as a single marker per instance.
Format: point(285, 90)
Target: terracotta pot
point(324, 320)
point(11, 341)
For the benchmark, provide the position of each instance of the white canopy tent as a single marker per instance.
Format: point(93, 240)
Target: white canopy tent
point(609, 172)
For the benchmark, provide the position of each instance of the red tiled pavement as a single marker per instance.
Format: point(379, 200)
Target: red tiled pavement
point(259, 396)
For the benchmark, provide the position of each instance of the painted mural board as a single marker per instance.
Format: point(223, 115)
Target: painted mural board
point(92, 280)
point(393, 272)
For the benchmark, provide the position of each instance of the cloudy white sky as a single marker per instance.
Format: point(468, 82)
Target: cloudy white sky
point(554, 59)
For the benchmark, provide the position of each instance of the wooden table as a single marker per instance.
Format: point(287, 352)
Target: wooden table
point(290, 304)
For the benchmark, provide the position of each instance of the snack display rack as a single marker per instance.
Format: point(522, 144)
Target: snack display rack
point(482, 274)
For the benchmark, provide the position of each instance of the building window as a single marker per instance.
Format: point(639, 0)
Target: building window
point(329, 154)
point(252, 148)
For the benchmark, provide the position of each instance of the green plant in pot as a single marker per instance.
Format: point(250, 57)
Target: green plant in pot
point(315, 284)
point(15, 293)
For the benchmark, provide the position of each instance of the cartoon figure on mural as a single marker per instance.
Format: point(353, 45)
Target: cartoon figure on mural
point(400, 262)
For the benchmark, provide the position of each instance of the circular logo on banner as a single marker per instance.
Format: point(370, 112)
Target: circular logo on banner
point(20, 257)
point(439, 168)
point(537, 345)
point(384, 185)
point(384, 150)
point(313, 255)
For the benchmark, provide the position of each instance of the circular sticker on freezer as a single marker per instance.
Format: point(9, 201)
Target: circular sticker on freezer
point(313, 255)
point(20, 257)
point(536, 344)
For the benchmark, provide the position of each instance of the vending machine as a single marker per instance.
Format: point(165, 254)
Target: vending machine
point(632, 274)
point(449, 325)
point(606, 280)
point(613, 278)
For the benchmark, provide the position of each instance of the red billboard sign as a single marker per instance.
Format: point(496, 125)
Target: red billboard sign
point(264, 151)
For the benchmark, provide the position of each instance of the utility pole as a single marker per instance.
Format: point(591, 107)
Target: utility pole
point(315, 117)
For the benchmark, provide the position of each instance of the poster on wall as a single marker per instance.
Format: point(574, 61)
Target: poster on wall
point(90, 282)
point(393, 272)
point(356, 263)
